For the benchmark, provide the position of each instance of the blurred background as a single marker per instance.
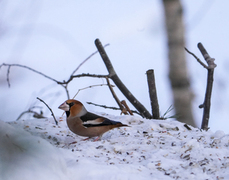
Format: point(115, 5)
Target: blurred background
point(54, 37)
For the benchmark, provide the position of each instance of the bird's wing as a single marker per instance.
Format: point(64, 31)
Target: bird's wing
point(101, 122)
point(90, 117)
point(93, 120)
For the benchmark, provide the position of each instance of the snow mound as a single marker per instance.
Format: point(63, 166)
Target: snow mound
point(25, 157)
point(148, 149)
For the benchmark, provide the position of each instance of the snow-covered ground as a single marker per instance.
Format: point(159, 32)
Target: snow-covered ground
point(148, 149)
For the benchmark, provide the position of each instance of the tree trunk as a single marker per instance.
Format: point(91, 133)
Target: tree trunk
point(178, 74)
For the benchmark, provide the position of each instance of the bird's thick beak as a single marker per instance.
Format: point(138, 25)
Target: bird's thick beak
point(64, 106)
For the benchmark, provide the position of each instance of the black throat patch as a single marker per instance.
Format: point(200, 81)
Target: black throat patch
point(67, 113)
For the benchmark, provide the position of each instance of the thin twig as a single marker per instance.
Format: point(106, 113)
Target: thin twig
point(116, 97)
point(87, 60)
point(113, 108)
point(8, 76)
point(64, 84)
point(29, 68)
point(35, 114)
point(82, 75)
point(49, 109)
point(89, 87)
point(66, 89)
point(123, 102)
point(205, 66)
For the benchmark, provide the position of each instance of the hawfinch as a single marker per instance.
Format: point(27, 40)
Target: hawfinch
point(84, 123)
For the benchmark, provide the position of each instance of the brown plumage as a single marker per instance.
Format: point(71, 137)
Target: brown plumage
point(84, 123)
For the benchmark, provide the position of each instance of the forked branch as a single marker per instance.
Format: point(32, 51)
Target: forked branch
point(112, 75)
point(64, 83)
point(207, 100)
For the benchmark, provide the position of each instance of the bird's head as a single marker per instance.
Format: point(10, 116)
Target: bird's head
point(73, 108)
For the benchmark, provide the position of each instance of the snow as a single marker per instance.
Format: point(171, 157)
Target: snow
point(148, 149)
point(23, 156)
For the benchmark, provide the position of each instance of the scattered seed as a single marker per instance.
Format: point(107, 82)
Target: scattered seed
point(99, 147)
point(187, 157)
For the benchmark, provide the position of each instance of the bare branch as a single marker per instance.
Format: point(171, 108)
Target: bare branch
point(35, 114)
point(82, 75)
point(49, 109)
point(8, 76)
point(207, 100)
point(89, 75)
point(123, 102)
point(48, 77)
point(153, 94)
point(208, 59)
point(66, 90)
point(64, 84)
point(112, 74)
point(89, 87)
point(114, 108)
point(196, 58)
point(26, 67)
point(116, 98)
point(86, 60)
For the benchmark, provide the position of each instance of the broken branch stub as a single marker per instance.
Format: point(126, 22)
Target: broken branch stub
point(208, 59)
point(153, 94)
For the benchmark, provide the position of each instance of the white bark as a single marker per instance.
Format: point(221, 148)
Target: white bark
point(178, 72)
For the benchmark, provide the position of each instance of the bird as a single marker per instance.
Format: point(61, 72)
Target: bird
point(84, 123)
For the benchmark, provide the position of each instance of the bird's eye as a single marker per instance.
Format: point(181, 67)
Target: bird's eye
point(71, 104)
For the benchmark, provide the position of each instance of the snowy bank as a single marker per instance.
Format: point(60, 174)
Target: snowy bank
point(23, 156)
point(149, 149)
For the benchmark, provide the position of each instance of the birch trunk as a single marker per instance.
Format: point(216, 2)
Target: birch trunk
point(178, 73)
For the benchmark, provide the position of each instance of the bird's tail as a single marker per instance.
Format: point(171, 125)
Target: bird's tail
point(119, 124)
